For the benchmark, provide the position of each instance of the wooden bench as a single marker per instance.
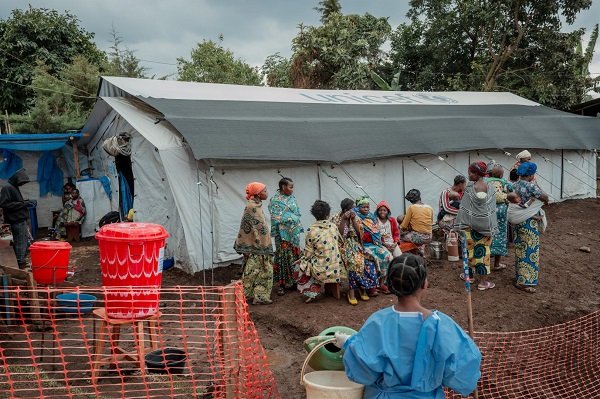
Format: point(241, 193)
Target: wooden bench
point(18, 277)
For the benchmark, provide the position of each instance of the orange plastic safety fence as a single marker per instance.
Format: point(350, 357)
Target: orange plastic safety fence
point(200, 344)
point(560, 361)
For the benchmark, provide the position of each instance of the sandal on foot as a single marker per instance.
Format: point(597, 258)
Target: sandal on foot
point(501, 266)
point(462, 277)
point(488, 285)
point(384, 289)
point(352, 301)
point(364, 296)
point(527, 288)
point(372, 292)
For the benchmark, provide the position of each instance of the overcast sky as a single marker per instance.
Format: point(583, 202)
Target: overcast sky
point(162, 30)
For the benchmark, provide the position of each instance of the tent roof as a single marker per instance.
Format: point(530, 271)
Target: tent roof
point(36, 141)
point(262, 123)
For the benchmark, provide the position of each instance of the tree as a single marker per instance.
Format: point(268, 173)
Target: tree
point(210, 62)
point(327, 8)
point(513, 45)
point(339, 54)
point(277, 71)
point(122, 60)
point(59, 104)
point(33, 35)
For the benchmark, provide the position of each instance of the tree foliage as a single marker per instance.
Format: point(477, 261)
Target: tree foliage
point(210, 62)
point(327, 8)
point(61, 103)
point(339, 54)
point(121, 60)
point(38, 35)
point(513, 45)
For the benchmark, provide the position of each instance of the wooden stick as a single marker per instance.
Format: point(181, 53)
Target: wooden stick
point(468, 289)
point(75, 157)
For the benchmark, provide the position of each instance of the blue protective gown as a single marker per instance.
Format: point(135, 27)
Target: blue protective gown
point(400, 355)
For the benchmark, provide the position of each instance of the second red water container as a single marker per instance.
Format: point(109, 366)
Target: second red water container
point(131, 257)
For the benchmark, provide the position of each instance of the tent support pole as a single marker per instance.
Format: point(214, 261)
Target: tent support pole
point(75, 157)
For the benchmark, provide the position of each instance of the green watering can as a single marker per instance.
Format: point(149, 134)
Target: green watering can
point(329, 357)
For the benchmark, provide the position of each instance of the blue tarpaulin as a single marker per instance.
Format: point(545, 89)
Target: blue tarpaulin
point(10, 163)
point(36, 141)
point(49, 176)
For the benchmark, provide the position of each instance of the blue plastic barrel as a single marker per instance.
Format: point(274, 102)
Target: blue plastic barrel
point(33, 222)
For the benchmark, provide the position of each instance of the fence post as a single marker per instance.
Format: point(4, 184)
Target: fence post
point(231, 344)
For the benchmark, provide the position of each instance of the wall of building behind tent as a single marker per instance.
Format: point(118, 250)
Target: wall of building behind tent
point(387, 179)
point(31, 190)
point(97, 203)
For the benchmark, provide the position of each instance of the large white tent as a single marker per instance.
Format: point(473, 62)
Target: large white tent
point(195, 147)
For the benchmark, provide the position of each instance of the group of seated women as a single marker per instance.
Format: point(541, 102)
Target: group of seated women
point(359, 245)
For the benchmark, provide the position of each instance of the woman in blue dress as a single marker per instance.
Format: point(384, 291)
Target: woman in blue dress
point(408, 351)
point(285, 229)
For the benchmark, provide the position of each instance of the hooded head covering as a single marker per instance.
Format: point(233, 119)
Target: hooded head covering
point(523, 154)
point(413, 196)
point(253, 189)
point(479, 168)
point(19, 178)
point(527, 169)
point(385, 205)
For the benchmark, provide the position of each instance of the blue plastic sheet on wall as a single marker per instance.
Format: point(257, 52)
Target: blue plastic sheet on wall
point(49, 176)
point(11, 162)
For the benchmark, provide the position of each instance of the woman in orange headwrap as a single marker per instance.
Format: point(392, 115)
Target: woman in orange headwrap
point(254, 242)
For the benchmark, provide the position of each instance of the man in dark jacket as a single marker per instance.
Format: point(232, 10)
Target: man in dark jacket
point(16, 214)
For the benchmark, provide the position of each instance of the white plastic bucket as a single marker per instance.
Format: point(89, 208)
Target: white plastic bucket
point(328, 384)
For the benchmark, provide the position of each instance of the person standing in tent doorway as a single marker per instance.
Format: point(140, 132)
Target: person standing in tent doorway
point(477, 221)
point(286, 229)
point(16, 214)
point(254, 243)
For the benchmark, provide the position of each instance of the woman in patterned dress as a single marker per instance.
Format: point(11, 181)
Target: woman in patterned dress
point(373, 246)
point(499, 247)
point(527, 233)
point(477, 220)
point(362, 275)
point(254, 242)
point(321, 262)
point(286, 229)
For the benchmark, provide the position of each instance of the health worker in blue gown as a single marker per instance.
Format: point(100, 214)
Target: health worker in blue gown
point(407, 351)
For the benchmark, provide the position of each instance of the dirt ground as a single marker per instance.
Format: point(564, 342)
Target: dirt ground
point(568, 289)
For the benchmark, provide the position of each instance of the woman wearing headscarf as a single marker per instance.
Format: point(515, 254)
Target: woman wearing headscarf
point(373, 246)
point(286, 229)
point(362, 275)
point(477, 220)
point(499, 245)
point(321, 262)
point(417, 224)
point(254, 242)
point(529, 221)
point(450, 203)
